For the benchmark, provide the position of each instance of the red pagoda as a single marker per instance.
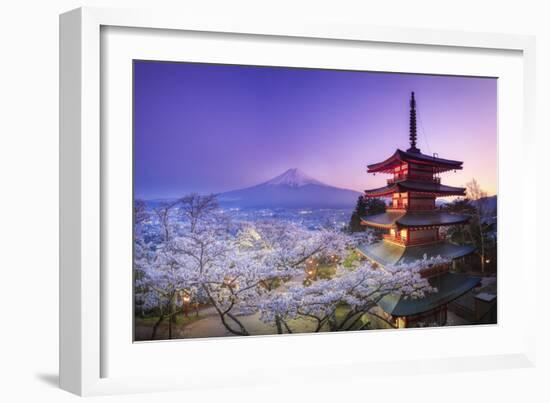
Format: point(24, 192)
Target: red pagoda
point(414, 227)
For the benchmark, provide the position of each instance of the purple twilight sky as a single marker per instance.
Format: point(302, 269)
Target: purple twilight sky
point(211, 128)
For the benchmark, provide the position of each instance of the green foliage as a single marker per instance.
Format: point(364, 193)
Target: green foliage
point(461, 206)
point(350, 259)
point(364, 207)
point(471, 232)
point(325, 272)
point(462, 234)
point(478, 232)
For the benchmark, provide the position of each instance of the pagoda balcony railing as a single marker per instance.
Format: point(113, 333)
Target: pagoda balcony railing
point(435, 270)
point(398, 207)
point(410, 242)
point(402, 177)
point(391, 207)
point(421, 241)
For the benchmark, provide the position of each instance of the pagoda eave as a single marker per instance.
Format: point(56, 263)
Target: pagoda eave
point(400, 156)
point(414, 219)
point(389, 253)
point(369, 193)
point(450, 286)
point(429, 188)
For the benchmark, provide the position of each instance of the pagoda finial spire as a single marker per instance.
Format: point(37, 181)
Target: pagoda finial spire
point(412, 126)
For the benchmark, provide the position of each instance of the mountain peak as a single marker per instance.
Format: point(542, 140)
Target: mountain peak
point(292, 189)
point(295, 178)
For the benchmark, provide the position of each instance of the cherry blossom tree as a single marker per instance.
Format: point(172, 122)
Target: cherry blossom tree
point(359, 289)
point(246, 268)
point(475, 193)
point(156, 277)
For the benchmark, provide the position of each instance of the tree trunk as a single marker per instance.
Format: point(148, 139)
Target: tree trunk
point(222, 315)
point(482, 244)
point(278, 324)
point(173, 309)
point(172, 315)
point(243, 330)
point(156, 325)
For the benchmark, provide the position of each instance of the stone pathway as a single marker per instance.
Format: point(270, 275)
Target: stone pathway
point(213, 327)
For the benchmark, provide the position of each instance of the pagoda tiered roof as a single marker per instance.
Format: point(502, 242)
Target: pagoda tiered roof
point(417, 187)
point(450, 286)
point(415, 157)
point(405, 218)
point(389, 253)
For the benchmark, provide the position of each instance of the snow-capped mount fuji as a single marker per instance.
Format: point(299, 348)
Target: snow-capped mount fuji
point(291, 189)
point(294, 178)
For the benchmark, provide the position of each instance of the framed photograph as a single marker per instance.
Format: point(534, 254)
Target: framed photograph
point(289, 197)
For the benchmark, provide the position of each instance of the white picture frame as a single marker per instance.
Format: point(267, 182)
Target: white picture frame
point(83, 184)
